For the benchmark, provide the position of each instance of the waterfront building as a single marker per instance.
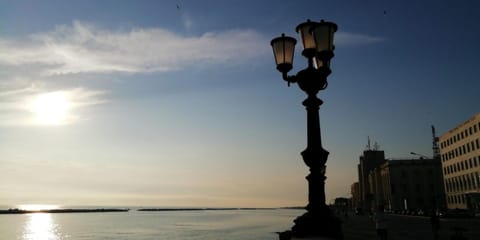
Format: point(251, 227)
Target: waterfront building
point(355, 191)
point(460, 156)
point(371, 159)
point(408, 185)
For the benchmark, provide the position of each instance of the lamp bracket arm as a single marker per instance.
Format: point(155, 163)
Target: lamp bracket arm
point(289, 79)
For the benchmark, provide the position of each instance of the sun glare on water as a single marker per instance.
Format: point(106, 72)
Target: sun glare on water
point(41, 227)
point(50, 108)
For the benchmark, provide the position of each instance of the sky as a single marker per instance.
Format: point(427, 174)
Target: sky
point(178, 103)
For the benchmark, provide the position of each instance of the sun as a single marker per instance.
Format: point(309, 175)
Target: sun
point(37, 207)
point(51, 108)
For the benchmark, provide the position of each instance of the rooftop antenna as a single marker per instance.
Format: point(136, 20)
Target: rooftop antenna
point(369, 147)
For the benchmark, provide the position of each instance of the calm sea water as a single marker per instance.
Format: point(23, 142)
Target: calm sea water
point(135, 225)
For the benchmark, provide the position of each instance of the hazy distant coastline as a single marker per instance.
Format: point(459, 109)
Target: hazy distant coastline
point(97, 210)
point(198, 209)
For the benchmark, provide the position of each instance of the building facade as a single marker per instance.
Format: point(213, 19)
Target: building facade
point(408, 185)
point(355, 191)
point(370, 160)
point(460, 155)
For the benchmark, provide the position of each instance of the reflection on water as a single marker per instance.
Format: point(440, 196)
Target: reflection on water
point(40, 226)
point(135, 225)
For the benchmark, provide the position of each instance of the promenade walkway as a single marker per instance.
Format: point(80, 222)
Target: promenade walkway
point(402, 227)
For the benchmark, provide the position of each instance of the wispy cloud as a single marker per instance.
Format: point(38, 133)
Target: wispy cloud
point(355, 39)
point(84, 48)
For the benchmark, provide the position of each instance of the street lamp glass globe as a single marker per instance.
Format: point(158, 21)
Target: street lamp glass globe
point(283, 50)
point(304, 29)
point(319, 63)
point(323, 35)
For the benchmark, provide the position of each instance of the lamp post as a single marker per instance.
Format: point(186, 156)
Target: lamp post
point(318, 222)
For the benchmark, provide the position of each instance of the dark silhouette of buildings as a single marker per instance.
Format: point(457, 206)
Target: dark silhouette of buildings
point(371, 159)
point(398, 185)
point(408, 185)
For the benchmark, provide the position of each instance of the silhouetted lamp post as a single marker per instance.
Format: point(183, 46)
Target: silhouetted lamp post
point(317, 38)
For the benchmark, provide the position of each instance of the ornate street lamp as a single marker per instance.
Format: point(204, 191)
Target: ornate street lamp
point(318, 222)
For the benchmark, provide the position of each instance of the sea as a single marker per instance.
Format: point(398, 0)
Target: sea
point(138, 225)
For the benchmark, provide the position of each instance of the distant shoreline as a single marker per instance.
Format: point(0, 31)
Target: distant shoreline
point(21, 211)
point(197, 209)
point(100, 210)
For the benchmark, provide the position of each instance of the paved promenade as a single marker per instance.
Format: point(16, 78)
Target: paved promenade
point(407, 227)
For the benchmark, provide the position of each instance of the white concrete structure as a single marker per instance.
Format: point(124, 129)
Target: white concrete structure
point(460, 155)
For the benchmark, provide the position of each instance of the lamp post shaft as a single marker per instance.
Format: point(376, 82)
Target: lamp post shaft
point(314, 155)
point(319, 220)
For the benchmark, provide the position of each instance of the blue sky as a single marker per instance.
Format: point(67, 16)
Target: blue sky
point(155, 104)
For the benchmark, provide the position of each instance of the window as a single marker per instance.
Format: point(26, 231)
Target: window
point(470, 130)
point(477, 143)
point(472, 178)
point(477, 179)
point(470, 163)
point(468, 147)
